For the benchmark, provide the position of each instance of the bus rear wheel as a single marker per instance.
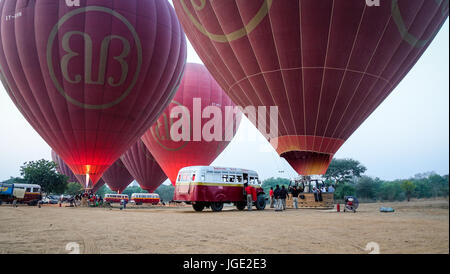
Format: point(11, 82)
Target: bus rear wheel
point(216, 206)
point(240, 205)
point(198, 206)
point(260, 202)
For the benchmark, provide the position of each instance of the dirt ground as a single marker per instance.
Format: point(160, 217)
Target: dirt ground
point(415, 227)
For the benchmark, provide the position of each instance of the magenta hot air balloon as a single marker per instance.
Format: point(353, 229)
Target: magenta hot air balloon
point(117, 177)
point(90, 78)
point(62, 168)
point(98, 185)
point(143, 167)
point(326, 64)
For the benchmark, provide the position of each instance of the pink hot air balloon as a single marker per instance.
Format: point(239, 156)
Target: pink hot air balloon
point(117, 177)
point(197, 84)
point(143, 167)
point(90, 78)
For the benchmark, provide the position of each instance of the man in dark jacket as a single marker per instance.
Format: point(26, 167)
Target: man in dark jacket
point(283, 195)
point(276, 194)
point(295, 192)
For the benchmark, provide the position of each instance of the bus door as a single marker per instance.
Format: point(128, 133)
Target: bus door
point(245, 177)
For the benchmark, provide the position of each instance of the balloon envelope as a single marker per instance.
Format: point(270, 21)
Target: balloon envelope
point(62, 168)
point(90, 79)
point(172, 155)
point(143, 167)
point(326, 64)
point(117, 177)
point(81, 179)
point(98, 185)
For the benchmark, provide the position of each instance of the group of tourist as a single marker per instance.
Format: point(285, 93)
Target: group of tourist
point(86, 199)
point(278, 198)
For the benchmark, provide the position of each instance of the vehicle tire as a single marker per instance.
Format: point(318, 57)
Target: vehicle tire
point(198, 206)
point(260, 202)
point(240, 206)
point(216, 206)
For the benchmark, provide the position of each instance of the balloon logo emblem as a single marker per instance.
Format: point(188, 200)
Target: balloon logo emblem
point(252, 24)
point(121, 79)
point(161, 131)
point(404, 32)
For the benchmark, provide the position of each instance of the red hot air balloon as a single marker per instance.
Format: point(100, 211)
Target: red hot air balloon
point(82, 180)
point(117, 177)
point(174, 155)
point(90, 79)
point(326, 64)
point(65, 170)
point(143, 167)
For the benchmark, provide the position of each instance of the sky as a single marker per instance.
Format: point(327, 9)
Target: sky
point(406, 135)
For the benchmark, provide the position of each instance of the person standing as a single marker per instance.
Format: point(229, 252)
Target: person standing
point(271, 197)
point(283, 195)
point(295, 192)
point(249, 193)
point(331, 189)
point(276, 194)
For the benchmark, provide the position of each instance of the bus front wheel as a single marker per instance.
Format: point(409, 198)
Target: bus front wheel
point(216, 206)
point(198, 206)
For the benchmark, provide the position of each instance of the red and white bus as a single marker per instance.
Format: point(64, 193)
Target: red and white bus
point(145, 198)
point(115, 198)
point(207, 186)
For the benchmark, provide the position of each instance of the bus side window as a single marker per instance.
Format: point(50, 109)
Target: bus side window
point(203, 177)
point(239, 178)
point(28, 189)
point(231, 178)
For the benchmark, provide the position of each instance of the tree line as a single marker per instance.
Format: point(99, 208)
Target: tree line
point(347, 175)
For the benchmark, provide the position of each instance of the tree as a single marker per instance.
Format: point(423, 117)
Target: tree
point(343, 190)
point(408, 187)
point(104, 190)
point(43, 173)
point(15, 180)
point(344, 170)
point(74, 189)
point(165, 192)
point(367, 187)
